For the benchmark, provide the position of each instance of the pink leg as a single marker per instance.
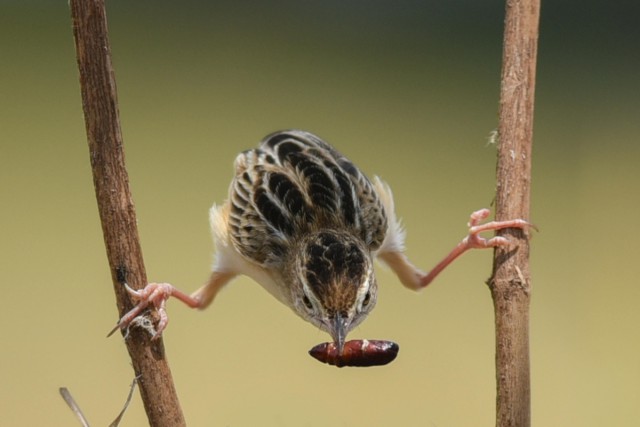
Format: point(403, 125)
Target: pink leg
point(157, 295)
point(413, 278)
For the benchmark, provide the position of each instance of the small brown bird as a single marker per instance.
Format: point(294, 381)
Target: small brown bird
point(306, 224)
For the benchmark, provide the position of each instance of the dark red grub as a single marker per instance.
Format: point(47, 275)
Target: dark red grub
point(357, 353)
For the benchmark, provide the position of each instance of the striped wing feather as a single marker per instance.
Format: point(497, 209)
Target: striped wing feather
point(293, 184)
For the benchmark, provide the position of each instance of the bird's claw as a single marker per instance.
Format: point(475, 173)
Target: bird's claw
point(475, 241)
point(156, 294)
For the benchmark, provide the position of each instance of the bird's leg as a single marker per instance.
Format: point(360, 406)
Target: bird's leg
point(209, 290)
point(157, 295)
point(413, 278)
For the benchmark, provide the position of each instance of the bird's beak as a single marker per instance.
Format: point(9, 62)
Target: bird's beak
point(339, 331)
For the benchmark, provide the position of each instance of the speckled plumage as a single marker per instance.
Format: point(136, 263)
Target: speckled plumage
point(306, 224)
point(292, 185)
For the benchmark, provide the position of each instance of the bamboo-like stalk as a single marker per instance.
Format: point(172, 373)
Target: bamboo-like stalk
point(510, 282)
point(115, 204)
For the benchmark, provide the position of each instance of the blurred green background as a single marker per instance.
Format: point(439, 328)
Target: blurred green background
point(409, 91)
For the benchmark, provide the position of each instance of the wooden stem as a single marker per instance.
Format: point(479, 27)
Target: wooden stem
point(510, 282)
point(117, 213)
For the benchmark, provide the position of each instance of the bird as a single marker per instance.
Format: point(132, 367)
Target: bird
point(307, 224)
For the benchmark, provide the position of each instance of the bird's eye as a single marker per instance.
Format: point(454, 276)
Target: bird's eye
point(307, 302)
point(367, 299)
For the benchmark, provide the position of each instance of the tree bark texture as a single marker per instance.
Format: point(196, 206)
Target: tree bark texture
point(510, 282)
point(115, 204)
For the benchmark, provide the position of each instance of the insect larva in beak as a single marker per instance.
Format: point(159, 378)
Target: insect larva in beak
point(357, 353)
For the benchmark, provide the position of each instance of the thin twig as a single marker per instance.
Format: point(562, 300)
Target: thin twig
point(510, 282)
point(117, 213)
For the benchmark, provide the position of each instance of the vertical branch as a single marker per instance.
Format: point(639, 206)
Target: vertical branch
point(510, 282)
point(117, 213)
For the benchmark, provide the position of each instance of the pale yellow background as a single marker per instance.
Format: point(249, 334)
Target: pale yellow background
point(409, 92)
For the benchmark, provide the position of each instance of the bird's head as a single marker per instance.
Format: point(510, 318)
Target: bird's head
point(333, 283)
